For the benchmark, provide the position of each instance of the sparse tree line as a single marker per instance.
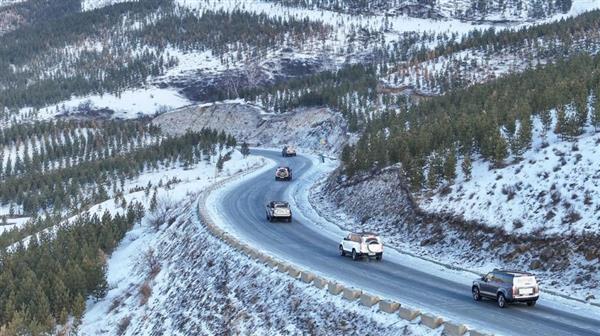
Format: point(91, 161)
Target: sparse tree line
point(46, 282)
point(492, 120)
point(89, 182)
point(43, 146)
point(559, 35)
point(473, 9)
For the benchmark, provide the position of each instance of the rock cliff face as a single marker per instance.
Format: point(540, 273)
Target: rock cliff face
point(318, 129)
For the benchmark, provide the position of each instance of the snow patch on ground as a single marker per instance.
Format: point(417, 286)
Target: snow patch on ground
point(88, 5)
point(129, 104)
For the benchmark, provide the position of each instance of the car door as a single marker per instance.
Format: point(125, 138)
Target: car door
point(270, 209)
point(486, 285)
point(346, 243)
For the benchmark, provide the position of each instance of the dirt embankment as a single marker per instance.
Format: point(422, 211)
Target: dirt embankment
point(319, 129)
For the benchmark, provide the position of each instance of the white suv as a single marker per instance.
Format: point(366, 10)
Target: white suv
point(278, 210)
point(362, 244)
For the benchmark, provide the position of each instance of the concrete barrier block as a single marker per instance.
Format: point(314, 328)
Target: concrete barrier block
point(368, 300)
point(479, 333)
point(272, 262)
point(389, 307)
point(454, 329)
point(351, 294)
point(307, 277)
point(431, 321)
point(253, 254)
point(408, 313)
point(320, 282)
point(282, 267)
point(247, 249)
point(335, 288)
point(293, 272)
point(263, 257)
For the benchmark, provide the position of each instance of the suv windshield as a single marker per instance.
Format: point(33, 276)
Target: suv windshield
point(281, 205)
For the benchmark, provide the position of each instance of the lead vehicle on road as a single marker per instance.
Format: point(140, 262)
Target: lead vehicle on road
point(363, 244)
point(507, 287)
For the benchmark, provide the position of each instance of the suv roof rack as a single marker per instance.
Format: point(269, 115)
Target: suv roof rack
point(513, 272)
point(367, 233)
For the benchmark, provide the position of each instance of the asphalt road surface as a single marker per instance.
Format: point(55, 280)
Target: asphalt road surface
point(302, 242)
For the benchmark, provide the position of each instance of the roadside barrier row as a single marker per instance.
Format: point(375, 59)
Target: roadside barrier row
point(334, 288)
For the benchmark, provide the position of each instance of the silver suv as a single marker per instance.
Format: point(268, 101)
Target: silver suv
point(506, 287)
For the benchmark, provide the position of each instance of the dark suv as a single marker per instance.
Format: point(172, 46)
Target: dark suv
point(506, 287)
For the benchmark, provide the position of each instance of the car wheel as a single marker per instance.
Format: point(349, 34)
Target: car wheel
point(290, 219)
point(501, 301)
point(476, 294)
point(531, 303)
point(342, 252)
point(379, 257)
point(354, 255)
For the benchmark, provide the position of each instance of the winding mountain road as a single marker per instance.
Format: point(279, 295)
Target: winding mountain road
point(312, 247)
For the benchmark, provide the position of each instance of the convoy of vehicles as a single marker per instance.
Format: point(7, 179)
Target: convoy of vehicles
point(279, 210)
point(364, 244)
point(507, 287)
point(500, 285)
point(283, 174)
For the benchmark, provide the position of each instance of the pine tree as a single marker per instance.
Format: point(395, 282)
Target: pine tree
point(595, 117)
point(153, 201)
point(561, 121)
point(450, 166)
point(245, 149)
point(500, 150)
point(78, 307)
point(467, 167)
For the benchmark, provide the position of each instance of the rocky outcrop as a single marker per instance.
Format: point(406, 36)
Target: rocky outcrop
point(316, 128)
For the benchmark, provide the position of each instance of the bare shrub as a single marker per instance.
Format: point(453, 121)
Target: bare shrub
point(446, 189)
point(587, 200)
point(160, 214)
point(145, 293)
point(517, 224)
point(123, 325)
point(572, 217)
point(151, 263)
point(509, 191)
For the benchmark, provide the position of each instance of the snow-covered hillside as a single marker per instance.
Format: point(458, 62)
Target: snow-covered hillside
point(172, 277)
point(554, 190)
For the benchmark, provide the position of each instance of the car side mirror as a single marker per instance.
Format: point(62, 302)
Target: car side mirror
point(483, 278)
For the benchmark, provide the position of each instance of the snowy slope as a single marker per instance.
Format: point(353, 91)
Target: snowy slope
point(554, 189)
point(191, 283)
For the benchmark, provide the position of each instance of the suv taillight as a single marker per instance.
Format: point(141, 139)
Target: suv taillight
point(514, 290)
